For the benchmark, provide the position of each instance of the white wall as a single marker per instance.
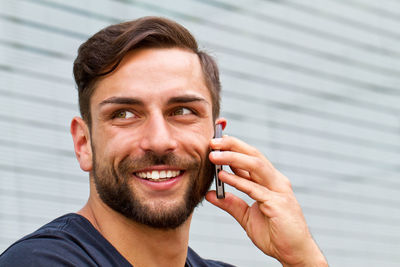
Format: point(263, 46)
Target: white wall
point(312, 84)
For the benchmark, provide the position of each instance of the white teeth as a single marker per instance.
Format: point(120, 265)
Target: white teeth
point(163, 174)
point(155, 175)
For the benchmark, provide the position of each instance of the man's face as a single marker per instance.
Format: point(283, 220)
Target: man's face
point(151, 126)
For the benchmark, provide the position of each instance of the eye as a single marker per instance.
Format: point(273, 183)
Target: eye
point(182, 111)
point(123, 114)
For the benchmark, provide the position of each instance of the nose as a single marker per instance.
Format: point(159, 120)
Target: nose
point(157, 135)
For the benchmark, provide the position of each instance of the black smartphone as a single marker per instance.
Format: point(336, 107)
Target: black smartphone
point(220, 189)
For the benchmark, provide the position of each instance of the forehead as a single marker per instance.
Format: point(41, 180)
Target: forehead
point(154, 75)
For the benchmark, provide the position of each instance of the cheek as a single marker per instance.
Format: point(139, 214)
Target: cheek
point(112, 144)
point(197, 142)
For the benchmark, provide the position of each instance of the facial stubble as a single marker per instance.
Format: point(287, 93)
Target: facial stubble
point(113, 185)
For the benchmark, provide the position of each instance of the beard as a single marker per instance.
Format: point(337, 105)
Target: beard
point(114, 188)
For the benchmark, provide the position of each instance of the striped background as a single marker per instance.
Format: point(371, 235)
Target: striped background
point(312, 84)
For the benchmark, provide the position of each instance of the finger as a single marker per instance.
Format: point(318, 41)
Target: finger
point(236, 160)
point(252, 189)
point(233, 144)
point(240, 172)
point(232, 204)
point(260, 170)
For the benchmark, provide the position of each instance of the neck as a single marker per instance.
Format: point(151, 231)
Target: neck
point(139, 244)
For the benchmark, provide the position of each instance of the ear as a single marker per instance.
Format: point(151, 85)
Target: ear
point(221, 121)
point(81, 137)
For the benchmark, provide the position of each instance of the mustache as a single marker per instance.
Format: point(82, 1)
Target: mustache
point(131, 164)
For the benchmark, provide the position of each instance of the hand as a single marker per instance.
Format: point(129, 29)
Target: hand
point(275, 222)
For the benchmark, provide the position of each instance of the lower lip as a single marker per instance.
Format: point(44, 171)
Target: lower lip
point(162, 185)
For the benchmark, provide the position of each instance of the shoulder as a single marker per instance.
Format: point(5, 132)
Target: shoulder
point(67, 241)
point(39, 252)
point(194, 260)
point(51, 245)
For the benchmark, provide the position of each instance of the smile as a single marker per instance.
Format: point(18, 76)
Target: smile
point(158, 175)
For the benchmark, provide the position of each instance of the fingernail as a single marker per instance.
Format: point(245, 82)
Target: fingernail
point(216, 141)
point(216, 154)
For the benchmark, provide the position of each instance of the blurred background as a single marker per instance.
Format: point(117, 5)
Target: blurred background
point(312, 84)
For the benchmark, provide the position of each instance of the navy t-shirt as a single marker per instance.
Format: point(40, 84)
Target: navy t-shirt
point(71, 240)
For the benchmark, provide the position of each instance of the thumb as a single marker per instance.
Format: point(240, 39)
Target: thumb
point(232, 204)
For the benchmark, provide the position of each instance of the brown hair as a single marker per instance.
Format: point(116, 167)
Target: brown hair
point(101, 54)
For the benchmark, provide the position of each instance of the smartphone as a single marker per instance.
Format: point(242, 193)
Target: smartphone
point(220, 189)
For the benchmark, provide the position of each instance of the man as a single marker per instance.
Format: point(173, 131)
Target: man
point(149, 101)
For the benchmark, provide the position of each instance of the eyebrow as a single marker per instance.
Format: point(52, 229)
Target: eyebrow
point(122, 101)
point(136, 101)
point(186, 99)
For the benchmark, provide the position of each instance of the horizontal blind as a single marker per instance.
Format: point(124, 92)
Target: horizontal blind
point(312, 84)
